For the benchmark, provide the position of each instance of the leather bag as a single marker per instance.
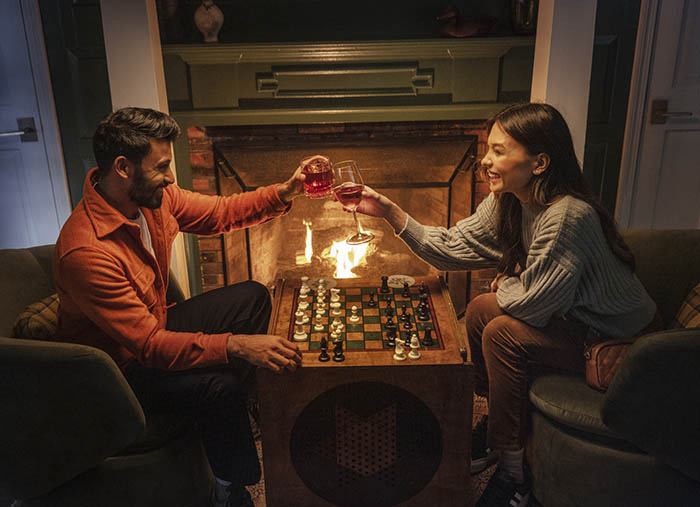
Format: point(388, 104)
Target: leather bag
point(602, 360)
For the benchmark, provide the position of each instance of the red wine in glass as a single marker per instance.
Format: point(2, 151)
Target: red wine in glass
point(348, 190)
point(349, 194)
point(319, 177)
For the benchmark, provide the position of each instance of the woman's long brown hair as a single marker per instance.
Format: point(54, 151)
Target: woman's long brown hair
point(540, 128)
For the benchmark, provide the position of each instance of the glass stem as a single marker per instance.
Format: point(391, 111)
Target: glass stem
point(357, 222)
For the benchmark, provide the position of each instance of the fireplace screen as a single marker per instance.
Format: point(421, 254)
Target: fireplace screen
point(425, 169)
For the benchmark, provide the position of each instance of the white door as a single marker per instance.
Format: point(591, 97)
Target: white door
point(666, 193)
point(33, 197)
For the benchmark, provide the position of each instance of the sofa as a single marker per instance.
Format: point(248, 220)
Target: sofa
point(638, 443)
point(72, 432)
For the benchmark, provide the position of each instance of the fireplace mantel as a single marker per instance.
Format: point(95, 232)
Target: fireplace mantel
point(354, 81)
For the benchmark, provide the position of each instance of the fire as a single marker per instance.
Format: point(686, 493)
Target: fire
point(346, 257)
point(309, 251)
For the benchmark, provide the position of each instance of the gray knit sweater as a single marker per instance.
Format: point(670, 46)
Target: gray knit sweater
point(570, 269)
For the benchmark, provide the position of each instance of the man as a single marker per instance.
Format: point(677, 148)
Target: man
point(111, 266)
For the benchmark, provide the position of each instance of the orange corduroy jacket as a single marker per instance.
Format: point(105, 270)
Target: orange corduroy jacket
point(112, 289)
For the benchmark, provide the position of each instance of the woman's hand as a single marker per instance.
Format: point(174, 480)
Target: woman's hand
point(377, 205)
point(496, 281)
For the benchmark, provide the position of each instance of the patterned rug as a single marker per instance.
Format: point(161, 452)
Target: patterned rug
point(257, 491)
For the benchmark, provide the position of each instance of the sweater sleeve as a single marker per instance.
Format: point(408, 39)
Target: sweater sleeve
point(469, 244)
point(208, 214)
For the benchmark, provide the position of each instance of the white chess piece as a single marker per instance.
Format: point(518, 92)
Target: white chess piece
point(337, 322)
point(301, 317)
point(319, 325)
point(399, 354)
point(336, 308)
point(303, 305)
point(414, 354)
point(335, 296)
point(354, 317)
point(299, 333)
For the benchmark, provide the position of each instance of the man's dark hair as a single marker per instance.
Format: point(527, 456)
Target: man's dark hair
point(128, 132)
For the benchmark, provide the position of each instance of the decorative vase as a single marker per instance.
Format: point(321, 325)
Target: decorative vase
point(523, 16)
point(208, 19)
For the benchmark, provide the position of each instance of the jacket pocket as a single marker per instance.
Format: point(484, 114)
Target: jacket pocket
point(145, 289)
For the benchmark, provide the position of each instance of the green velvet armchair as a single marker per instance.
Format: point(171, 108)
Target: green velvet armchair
point(72, 433)
point(639, 442)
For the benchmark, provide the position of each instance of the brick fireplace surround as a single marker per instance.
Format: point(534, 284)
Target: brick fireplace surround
point(222, 259)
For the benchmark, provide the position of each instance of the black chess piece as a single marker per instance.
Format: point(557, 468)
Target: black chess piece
point(338, 355)
point(422, 289)
point(428, 337)
point(323, 356)
point(371, 303)
point(404, 315)
point(385, 285)
point(408, 325)
point(389, 312)
point(423, 312)
point(406, 291)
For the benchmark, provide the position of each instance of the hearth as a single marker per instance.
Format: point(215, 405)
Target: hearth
point(425, 167)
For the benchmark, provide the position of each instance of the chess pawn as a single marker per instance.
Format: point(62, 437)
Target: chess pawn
point(414, 354)
point(385, 285)
point(319, 322)
point(406, 291)
point(399, 354)
point(371, 302)
point(354, 317)
point(428, 338)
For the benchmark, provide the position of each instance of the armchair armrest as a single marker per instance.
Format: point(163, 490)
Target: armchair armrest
point(64, 409)
point(654, 398)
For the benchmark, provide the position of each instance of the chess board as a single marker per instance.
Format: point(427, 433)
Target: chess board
point(367, 329)
point(370, 429)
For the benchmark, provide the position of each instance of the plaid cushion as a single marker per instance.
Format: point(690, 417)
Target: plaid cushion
point(38, 321)
point(689, 313)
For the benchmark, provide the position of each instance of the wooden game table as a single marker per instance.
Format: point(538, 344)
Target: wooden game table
point(369, 430)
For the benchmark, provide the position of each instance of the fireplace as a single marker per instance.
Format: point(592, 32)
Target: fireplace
point(425, 167)
point(411, 112)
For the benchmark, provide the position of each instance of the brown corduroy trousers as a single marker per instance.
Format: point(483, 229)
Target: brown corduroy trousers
point(503, 348)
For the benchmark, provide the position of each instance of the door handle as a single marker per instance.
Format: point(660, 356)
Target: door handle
point(26, 130)
point(660, 112)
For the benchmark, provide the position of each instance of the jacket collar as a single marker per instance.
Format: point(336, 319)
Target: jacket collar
point(104, 218)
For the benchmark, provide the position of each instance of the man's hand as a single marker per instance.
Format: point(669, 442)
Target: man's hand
point(294, 186)
point(271, 352)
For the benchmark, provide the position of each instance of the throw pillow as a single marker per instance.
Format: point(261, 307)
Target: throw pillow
point(689, 313)
point(38, 321)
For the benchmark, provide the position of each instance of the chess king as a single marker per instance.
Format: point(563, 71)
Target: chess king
point(111, 266)
point(564, 272)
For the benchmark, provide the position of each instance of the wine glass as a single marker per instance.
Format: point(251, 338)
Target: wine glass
point(348, 187)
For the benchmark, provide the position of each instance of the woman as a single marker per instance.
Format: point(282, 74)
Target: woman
point(564, 275)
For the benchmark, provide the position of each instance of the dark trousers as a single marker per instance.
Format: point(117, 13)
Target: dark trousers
point(502, 350)
point(215, 397)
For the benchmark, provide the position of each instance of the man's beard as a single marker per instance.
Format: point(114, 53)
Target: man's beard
point(144, 195)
